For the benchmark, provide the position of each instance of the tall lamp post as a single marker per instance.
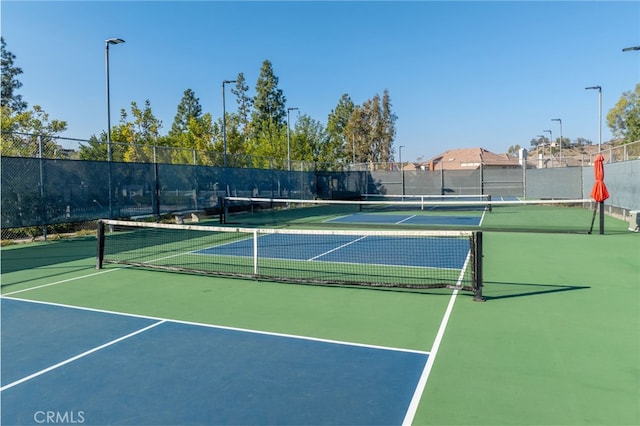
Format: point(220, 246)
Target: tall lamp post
point(224, 123)
point(560, 121)
point(550, 139)
point(289, 138)
point(599, 89)
point(106, 50)
point(401, 168)
point(109, 153)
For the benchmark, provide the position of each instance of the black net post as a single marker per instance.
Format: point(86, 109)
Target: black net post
point(222, 206)
point(100, 247)
point(477, 268)
point(601, 218)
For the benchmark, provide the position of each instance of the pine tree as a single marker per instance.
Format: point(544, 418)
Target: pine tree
point(188, 108)
point(10, 83)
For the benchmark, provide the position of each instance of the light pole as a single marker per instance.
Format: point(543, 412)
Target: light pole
point(224, 123)
point(550, 139)
point(289, 138)
point(629, 49)
point(401, 168)
point(106, 50)
point(560, 121)
point(599, 89)
point(109, 154)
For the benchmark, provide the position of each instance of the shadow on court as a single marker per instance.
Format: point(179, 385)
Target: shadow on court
point(30, 256)
point(506, 290)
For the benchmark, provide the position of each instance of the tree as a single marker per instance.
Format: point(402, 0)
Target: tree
point(340, 136)
point(245, 103)
point(10, 84)
point(514, 149)
point(188, 108)
point(34, 122)
point(268, 125)
point(358, 129)
point(624, 118)
point(388, 126)
point(97, 149)
point(378, 122)
point(582, 142)
point(309, 142)
point(140, 135)
point(269, 103)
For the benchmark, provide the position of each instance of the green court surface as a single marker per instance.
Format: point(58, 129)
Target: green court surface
point(556, 343)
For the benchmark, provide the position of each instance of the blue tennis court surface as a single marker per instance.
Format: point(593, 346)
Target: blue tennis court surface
point(372, 250)
point(107, 368)
point(408, 219)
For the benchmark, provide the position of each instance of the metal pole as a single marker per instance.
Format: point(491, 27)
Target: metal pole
point(353, 146)
point(109, 150)
point(550, 139)
point(224, 123)
point(289, 139)
point(599, 89)
point(599, 119)
point(401, 168)
point(42, 203)
point(560, 121)
point(108, 104)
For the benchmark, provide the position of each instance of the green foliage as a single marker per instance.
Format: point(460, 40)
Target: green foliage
point(19, 130)
point(188, 108)
point(245, 104)
point(309, 142)
point(340, 134)
point(374, 127)
point(269, 114)
point(97, 150)
point(624, 118)
point(256, 132)
point(141, 134)
point(10, 83)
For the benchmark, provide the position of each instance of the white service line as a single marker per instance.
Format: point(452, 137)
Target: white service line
point(338, 248)
point(422, 382)
point(104, 271)
point(83, 354)
point(223, 327)
point(405, 219)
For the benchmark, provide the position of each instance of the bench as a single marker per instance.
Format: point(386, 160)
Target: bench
point(192, 215)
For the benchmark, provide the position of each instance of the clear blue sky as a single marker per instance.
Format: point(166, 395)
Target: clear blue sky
point(460, 74)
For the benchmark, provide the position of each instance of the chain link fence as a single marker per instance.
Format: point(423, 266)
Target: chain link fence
point(49, 191)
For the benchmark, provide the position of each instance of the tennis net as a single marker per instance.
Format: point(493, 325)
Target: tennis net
point(390, 259)
point(414, 211)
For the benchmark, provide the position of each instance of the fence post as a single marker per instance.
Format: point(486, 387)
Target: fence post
point(43, 206)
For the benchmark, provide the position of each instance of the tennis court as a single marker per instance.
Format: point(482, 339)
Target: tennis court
point(557, 341)
point(156, 371)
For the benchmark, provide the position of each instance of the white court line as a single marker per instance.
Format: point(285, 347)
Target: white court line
point(338, 248)
point(422, 383)
point(75, 358)
point(482, 217)
point(406, 219)
point(61, 281)
point(223, 327)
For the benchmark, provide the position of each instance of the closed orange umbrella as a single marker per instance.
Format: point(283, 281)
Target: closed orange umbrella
point(599, 191)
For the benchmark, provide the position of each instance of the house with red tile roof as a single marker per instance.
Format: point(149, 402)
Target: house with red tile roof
point(470, 159)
